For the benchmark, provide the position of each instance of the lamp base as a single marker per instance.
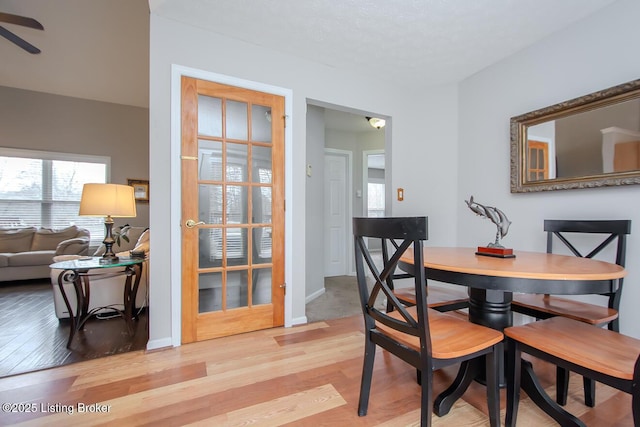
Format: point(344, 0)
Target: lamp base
point(109, 257)
point(495, 252)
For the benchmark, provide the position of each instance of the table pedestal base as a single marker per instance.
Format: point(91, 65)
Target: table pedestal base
point(491, 308)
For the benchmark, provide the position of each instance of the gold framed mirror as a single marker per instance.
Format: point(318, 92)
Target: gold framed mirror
point(590, 141)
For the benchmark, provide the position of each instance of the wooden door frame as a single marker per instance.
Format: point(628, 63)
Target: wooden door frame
point(551, 153)
point(177, 72)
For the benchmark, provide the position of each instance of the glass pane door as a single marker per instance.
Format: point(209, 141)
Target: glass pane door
point(234, 202)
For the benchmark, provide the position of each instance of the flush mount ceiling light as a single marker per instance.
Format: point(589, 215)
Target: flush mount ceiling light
point(376, 122)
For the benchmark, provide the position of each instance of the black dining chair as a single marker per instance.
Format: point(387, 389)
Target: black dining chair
point(422, 337)
point(603, 355)
point(544, 306)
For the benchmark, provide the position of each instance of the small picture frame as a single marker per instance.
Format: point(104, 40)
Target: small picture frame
point(140, 189)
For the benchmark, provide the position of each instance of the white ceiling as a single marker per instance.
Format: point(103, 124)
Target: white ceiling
point(417, 43)
point(348, 122)
point(93, 49)
point(99, 49)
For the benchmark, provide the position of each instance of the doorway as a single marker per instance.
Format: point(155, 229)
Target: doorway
point(374, 184)
point(335, 129)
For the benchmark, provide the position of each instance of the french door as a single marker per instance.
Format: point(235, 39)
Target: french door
point(232, 210)
point(537, 160)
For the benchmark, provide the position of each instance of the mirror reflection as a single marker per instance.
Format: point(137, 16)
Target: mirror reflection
point(599, 141)
point(590, 141)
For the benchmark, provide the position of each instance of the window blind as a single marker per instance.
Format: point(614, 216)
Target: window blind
point(43, 189)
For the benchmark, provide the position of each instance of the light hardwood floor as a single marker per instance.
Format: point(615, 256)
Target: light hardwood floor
point(302, 376)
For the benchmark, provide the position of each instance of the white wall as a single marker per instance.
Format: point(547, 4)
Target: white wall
point(425, 164)
point(593, 54)
point(314, 232)
point(424, 142)
point(47, 122)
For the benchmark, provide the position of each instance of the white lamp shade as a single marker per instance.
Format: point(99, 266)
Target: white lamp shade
point(107, 200)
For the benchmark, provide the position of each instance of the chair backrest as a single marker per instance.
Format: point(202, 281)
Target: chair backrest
point(612, 230)
point(411, 232)
point(386, 245)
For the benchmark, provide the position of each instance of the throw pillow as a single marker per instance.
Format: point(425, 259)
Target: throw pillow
point(144, 238)
point(142, 245)
point(16, 240)
point(46, 239)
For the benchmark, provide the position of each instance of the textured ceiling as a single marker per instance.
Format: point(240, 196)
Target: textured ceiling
point(415, 42)
point(99, 49)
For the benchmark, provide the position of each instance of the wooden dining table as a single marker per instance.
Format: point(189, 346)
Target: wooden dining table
point(492, 282)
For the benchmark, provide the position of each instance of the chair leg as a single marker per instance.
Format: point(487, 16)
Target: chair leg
point(513, 372)
point(614, 325)
point(367, 374)
point(562, 385)
point(635, 394)
point(493, 389)
point(426, 388)
point(589, 386)
point(635, 403)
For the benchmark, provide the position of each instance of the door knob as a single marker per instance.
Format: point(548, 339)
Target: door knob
point(191, 223)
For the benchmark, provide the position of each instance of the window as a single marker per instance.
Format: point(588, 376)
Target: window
point(235, 194)
point(39, 188)
point(375, 199)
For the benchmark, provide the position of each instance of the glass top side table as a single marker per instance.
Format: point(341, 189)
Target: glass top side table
point(78, 272)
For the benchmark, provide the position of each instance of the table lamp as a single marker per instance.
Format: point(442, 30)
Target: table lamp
point(110, 201)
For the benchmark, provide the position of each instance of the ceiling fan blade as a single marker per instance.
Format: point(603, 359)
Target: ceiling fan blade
point(19, 41)
point(20, 20)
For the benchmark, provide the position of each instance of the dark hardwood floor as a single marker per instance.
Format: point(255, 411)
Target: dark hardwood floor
point(32, 337)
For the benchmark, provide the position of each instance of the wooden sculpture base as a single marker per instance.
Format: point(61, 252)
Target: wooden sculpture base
point(495, 252)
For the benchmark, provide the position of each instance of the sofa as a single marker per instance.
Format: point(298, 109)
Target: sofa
point(26, 253)
point(107, 291)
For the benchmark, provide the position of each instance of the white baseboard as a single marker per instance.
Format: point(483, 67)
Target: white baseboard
point(314, 295)
point(160, 343)
point(299, 321)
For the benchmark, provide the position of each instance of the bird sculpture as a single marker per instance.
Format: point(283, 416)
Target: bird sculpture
point(495, 215)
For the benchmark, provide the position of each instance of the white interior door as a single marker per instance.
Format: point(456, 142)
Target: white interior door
point(337, 178)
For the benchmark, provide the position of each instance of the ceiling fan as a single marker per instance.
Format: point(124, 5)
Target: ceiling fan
point(23, 21)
